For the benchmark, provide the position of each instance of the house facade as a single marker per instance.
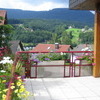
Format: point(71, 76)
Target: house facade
point(3, 14)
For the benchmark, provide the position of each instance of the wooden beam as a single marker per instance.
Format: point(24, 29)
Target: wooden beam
point(96, 68)
point(84, 4)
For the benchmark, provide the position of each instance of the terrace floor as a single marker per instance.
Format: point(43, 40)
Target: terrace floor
point(78, 88)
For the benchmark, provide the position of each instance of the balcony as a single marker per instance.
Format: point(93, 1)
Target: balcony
point(73, 88)
point(81, 88)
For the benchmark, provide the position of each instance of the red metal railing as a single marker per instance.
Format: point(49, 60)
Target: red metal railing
point(71, 65)
point(3, 51)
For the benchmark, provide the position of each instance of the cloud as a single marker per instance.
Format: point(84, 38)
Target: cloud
point(42, 1)
point(48, 6)
point(4, 4)
point(36, 5)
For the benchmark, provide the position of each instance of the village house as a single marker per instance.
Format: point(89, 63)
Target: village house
point(51, 48)
point(81, 47)
point(16, 46)
point(3, 14)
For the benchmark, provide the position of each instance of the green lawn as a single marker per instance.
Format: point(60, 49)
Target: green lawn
point(75, 34)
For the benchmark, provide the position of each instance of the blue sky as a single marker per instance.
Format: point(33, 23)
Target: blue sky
point(35, 5)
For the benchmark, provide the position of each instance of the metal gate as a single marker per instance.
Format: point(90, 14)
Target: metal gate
point(47, 70)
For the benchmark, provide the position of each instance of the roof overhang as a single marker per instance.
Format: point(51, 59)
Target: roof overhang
point(84, 4)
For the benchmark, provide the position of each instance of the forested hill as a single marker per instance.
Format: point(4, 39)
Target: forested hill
point(58, 13)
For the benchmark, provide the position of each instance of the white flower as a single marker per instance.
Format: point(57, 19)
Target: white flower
point(6, 58)
point(3, 71)
point(62, 53)
point(86, 49)
point(11, 61)
point(4, 61)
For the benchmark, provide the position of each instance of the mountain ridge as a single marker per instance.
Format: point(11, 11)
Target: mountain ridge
point(57, 13)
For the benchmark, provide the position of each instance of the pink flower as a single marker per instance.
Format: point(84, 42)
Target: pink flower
point(87, 54)
point(93, 64)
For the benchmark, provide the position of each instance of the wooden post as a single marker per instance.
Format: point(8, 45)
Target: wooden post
point(96, 68)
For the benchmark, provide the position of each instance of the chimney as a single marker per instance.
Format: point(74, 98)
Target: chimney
point(56, 45)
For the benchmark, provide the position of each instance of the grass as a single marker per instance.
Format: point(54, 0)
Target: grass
point(75, 34)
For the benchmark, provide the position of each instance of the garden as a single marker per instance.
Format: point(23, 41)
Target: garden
point(12, 85)
point(12, 79)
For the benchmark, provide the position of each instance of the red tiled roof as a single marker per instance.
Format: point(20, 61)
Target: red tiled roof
point(2, 14)
point(50, 48)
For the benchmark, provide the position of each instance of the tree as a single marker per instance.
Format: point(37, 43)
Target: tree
point(86, 37)
point(4, 34)
point(65, 38)
point(54, 37)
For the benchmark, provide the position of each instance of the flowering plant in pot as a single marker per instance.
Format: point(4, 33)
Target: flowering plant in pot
point(88, 57)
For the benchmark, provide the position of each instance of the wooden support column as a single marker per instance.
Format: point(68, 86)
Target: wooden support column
point(96, 68)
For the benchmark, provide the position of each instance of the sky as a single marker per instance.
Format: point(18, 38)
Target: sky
point(34, 5)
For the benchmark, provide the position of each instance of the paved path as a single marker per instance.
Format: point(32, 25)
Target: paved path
point(80, 88)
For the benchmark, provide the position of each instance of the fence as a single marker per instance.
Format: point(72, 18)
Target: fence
point(69, 70)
